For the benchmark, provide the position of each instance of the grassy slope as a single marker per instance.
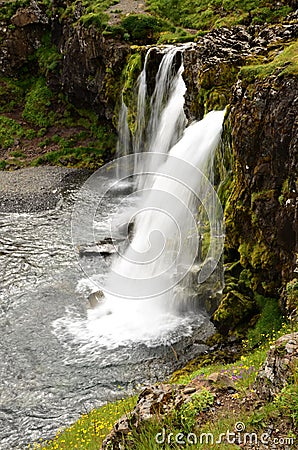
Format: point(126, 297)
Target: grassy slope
point(205, 414)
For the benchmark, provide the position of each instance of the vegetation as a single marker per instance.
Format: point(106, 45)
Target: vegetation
point(285, 63)
point(90, 430)
point(208, 14)
point(144, 27)
point(199, 415)
point(11, 130)
point(9, 9)
point(65, 135)
point(37, 103)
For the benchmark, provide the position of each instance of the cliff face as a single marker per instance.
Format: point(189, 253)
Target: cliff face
point(261, 212)
point(263, 200)
point(88, 68)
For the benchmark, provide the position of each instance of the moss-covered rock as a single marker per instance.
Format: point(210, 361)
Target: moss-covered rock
point(235, 309)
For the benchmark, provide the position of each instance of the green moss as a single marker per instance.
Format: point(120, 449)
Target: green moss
point(48, 56)
point(256, 255)
point(269, 321)
point(70, 154)
point(285, 191)
point(285, 63)
point(11, 94)
point(129, 77)
point(215, 87)
point(37, 107)
point(262, 195)
point(84, 157)
point(234, 310)
point(95, 18)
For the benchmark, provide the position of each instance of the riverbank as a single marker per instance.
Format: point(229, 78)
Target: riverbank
point(254, 398)
point(37, 188)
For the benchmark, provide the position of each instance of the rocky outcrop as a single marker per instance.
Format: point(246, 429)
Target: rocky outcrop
point(164, 399)
point(279, 367)
point(28, 16)
point(213, 63)
point(91, 64)
point(261, 212)
point(89, 68)
point(20, 38)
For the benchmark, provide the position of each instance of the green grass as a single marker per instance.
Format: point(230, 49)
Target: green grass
point(269, 322)
point(90, 430)
point(84, 157)
point(208, 14)
point(73, 154)
point(11, 130)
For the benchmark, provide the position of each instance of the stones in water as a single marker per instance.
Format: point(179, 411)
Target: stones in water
point(105, 247)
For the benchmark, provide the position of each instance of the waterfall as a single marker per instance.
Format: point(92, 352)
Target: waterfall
point(149, 286)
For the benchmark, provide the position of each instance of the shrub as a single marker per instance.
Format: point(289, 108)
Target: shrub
point(143, 27)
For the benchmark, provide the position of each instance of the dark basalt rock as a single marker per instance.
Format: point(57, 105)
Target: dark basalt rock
point(262, 210)
point(105, 247)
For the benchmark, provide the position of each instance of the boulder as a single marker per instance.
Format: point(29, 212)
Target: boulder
point(279, 367)
point(29, 16)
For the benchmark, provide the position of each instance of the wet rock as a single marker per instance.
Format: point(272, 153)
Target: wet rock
point(95, 299)
point(212, 65)
point(235, 308)
point(104, 248)
point(279, 367)
point(261, 212)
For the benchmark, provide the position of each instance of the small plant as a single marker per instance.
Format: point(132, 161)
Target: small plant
point(17, 154)
point(48, 56)
point(188, 412)
point(10, 131)
point(287, 402)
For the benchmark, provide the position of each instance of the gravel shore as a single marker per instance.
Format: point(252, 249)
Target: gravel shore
point(36, 188)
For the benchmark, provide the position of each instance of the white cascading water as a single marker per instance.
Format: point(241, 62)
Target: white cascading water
point(148, 283)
